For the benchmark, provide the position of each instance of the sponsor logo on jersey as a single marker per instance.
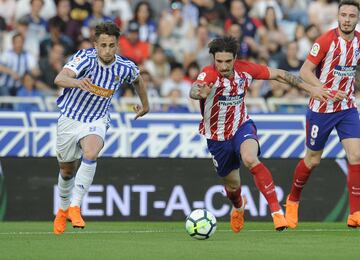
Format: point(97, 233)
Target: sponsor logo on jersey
point(230, 100)
point(344, 71)
point(315, 49)
point(99, 91)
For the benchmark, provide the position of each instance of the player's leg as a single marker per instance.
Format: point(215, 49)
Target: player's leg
point(232, 186)
point(349, 133)
point(263, 180)
point(68, 153)
point(227, 165)
point(91, 146)
point(318, 129)
point(65, 186)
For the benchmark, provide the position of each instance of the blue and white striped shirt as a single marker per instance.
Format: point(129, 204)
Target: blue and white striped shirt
point(85, 106)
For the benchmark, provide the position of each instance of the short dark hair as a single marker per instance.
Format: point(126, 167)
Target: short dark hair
point(224, 44)
point(349, 2)
point(108, 28)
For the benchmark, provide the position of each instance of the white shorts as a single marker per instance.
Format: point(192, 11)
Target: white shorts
point(70, 132)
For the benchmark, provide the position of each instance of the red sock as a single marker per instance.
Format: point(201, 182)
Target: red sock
point(235, 197)
point(354, 187)
point(264, 182)
point(301, 175)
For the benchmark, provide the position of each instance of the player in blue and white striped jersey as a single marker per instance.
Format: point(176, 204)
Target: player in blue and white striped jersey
point(90, 80)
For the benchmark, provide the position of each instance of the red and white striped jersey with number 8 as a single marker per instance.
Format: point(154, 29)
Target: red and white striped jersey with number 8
point(336, 61)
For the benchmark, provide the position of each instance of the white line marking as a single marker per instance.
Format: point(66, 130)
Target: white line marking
point(172, 231)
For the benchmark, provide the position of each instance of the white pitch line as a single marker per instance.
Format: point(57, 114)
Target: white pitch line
point(175, 231)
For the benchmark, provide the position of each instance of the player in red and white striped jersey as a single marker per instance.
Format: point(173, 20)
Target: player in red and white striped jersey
point(231, 134)
point(332, 64)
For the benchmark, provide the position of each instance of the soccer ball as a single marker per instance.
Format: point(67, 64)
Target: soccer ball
point(200, 224)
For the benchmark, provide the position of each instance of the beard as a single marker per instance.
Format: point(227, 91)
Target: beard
point(349, 31)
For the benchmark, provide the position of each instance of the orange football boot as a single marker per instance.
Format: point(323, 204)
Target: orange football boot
point(237, 217)
point(280, 222)
point(75, 217)
point(354, 220)
point(291, 212)
point(60, 221)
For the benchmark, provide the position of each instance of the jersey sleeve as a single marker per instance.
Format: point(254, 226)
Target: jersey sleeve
point(78, 62)
point(134, 73)
point(207, 75)
point(256, 71)
point(318, 50)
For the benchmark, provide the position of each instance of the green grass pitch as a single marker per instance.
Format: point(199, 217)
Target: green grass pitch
point(169, 240)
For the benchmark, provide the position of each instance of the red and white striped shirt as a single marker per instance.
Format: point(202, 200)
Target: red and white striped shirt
point(336, 61)
point(224, 110)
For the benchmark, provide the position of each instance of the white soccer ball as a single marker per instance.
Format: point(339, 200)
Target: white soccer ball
point(200, 224)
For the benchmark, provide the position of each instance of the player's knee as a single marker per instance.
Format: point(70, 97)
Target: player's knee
point(232, 186)
point(249, 160)
point(67, 174)
point(354, 157)
point(90, 154)
point(314, 162)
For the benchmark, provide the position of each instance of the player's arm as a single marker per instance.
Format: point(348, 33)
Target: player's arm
point(307, 72)
point(67, 79)
point(286, 77)
point(142, 92)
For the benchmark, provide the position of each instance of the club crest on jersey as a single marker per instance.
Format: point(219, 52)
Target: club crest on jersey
point(315, 49)
point(357, 52)
point(117, 78)
point(201, 76)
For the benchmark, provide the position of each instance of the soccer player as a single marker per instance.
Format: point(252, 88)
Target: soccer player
point(334, 56)
point(230, 133)
point(90, 80)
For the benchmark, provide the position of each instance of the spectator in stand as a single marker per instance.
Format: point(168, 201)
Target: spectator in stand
point(176, 81)
point(190, 12)
point(131, 47)
point(275, 39)
point(175, 105)
point(175, 34)
point(143, 16)
point(21, 27)
point(27, 89)
point(85, 44)
point(158, 66)
point(37, 24)
point(7, 11)
point(55, 36)
point(50, 66)
point(80, 10)
point(95, 18)
point(23, 7)
point(13, 65)
point(306, 42)
point(213, 14)
point(197, 51)
point(324, 18)
point(292, 64)
point(152, 91)
point(120, 11)
point(68, 26)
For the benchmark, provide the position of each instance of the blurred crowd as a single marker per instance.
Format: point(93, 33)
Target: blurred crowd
point(166, 38)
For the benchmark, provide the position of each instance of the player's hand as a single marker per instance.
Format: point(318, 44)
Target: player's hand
point(84, 84)
point(203, 89)
point(337, 95)
point(140, 111)
point(320, 93)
